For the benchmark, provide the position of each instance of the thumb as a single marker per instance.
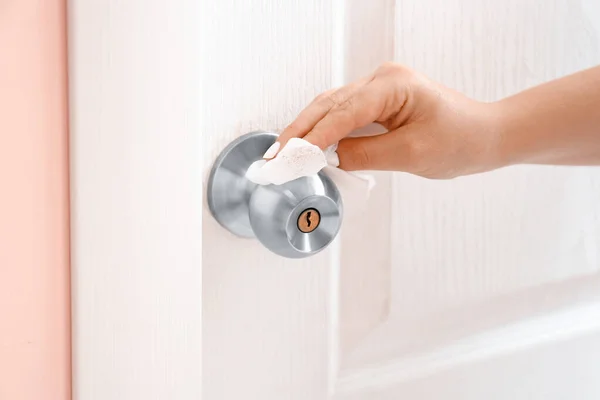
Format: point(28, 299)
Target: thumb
point(396, 150)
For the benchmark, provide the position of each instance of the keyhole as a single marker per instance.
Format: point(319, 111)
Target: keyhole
point(308, 220)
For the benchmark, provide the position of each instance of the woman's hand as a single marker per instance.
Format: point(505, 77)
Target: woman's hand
point(433, 131)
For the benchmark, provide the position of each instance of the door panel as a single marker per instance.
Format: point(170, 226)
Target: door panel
point(136, 191)
point(560, 369)
point(270, 324)
point(364, 281)
point(495, 273)
point(265, 319)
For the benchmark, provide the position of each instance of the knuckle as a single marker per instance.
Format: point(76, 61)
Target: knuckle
point(326, 101)
point(391, 68)
point(344, 116)
point(348, 103)
point(323, 96)
point(337, 98)
point(342, 95)
point(346, 107)
point(387, 65)
point(343, 99)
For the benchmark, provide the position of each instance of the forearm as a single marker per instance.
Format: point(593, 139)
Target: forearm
point(554, 123)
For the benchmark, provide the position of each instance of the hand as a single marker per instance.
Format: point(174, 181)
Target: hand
point(432, 131)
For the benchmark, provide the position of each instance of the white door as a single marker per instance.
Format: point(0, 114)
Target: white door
point(485, 287)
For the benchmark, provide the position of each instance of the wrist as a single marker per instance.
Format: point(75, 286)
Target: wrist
point(506, 150)
point(492, 130)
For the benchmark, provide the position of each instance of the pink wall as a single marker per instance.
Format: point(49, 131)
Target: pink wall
point(34, 210)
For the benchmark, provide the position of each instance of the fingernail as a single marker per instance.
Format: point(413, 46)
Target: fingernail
point(254, 173)
point(272, 151)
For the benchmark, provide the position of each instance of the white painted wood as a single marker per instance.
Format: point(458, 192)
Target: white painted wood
point(516, 228)
point(272, 326)
point(563, 369)
point(496, 333)
point(364, 292)
point(495, 278)
point(136, 195)
point(481, 287)
point(266, 320)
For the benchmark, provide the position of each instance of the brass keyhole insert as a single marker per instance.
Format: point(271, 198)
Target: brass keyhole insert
point(309, 220)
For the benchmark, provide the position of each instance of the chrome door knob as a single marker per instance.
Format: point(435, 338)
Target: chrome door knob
point(295, 220)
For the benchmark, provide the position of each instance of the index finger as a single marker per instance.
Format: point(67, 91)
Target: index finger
point(316, 111)
point(308, 117)
point(363, 107)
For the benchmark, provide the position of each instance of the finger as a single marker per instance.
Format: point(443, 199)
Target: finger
point(303, 123)
point(391, 151)
point(361, 108)
point(314, 112)
point(308, 117)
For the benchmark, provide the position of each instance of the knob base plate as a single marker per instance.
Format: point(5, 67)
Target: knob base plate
point(229, 191)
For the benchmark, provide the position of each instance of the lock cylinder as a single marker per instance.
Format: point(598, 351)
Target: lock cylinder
point(309, 220)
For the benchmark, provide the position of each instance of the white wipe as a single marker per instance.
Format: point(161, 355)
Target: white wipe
point(297, 158)
point(300, 158)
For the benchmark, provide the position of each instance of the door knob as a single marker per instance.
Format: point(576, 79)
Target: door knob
point(296, 219)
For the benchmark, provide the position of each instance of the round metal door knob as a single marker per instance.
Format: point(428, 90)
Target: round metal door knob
point(295, 220)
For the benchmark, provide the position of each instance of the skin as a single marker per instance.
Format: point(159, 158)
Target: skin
point(438, 133)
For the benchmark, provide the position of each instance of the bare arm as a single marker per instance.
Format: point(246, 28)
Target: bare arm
point(554, 123)
point(436, 132)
